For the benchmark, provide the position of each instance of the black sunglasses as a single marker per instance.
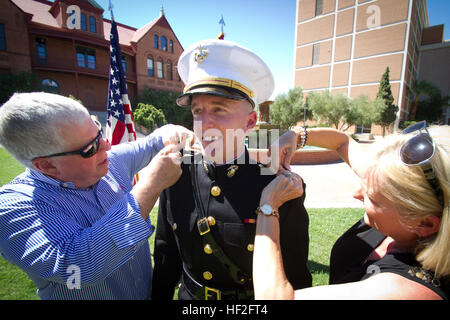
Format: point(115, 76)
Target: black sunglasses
point(88, 150)
point(418, 151)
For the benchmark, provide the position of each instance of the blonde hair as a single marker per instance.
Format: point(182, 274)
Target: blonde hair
point(412, 195)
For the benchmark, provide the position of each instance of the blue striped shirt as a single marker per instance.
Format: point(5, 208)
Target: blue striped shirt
point(81, 243)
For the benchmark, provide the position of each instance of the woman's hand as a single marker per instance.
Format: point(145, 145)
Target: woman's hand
point(285, 147)
point(286, 186)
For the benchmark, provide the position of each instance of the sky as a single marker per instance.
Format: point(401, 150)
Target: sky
point(267, 27)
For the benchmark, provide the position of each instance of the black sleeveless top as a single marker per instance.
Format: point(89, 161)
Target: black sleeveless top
point(348, 261)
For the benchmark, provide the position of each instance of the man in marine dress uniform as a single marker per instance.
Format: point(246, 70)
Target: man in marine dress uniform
point(207, 220)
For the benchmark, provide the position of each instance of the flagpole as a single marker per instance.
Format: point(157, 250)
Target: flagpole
point(222, 23)
point(110, 10)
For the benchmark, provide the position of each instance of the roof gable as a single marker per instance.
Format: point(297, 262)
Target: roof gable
point(161, 21)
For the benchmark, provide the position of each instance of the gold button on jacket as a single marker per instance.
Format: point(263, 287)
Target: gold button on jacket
point(215, 191)
point(207, 248)
point(207, 275)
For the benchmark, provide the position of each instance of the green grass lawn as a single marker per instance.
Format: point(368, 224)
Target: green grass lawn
point(326, 225)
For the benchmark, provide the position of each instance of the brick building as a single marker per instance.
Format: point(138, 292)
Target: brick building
point(344, 46)
point(39, 36)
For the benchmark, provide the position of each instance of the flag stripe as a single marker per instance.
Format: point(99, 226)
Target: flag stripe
point(119, 124)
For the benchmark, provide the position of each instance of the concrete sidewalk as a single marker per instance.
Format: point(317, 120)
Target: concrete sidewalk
point(329, 185)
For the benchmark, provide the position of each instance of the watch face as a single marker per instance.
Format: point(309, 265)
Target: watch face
point(266, 209)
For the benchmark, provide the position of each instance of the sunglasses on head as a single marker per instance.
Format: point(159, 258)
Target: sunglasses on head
point(418, 151)
point(88, 150)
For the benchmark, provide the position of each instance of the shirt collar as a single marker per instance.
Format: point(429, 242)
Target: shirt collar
point(37, 175)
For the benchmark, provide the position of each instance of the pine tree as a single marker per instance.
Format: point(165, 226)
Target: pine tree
point(389, 114)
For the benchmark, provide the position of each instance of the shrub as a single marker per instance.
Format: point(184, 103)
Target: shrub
point(166, 102)
point(148, 116)
point(22, 82)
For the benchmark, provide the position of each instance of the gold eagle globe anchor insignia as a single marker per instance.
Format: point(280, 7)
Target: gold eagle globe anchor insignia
point(200, 54)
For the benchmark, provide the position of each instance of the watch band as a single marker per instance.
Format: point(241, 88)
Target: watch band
point(273, 213)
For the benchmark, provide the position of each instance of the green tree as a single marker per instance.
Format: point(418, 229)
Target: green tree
point(429, 109)
point(166, 102)
point(288, 109)
point(333, 110)
point(148, 116)
point(388, 114)
point(365, 111)
point(422, 87)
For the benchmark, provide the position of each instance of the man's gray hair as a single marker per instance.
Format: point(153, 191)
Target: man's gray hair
point(31, 124)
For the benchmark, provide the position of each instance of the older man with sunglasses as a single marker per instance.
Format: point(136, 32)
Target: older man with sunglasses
point(73, 221)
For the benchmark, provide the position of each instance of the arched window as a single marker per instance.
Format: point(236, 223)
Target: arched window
point(156, 40)
point(150, 67)
point(160, 70)
point(170, 46)
point(50, 85)
point(163, 43)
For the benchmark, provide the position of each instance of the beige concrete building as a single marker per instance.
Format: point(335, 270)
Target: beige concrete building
point(344, 46)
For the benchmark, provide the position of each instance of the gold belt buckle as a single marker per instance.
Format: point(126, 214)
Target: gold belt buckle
point(216, 292)
point(203, 226)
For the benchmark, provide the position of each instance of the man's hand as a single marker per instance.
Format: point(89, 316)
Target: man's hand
point(164, 169)
point(287, 145)
point(162, 172)
point(175, 134)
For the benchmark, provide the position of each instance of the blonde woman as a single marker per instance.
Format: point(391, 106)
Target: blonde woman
point(400, 249)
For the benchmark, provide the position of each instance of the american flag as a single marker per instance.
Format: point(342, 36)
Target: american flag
point(119, 123)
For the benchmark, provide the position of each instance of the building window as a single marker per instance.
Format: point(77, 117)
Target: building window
point(319, 7)
point(80, 60)
point(124, 65)
point(49, 85)
point(92, 24)
point(150, 67)
point(159, 67)
point(163, 43)
point(41, 49)
point(171, 46)
point(86, 57)
point(2, 37)
point(361, 129)
point(169, 70)
point(83, 22)
point(91, 61)
point(316, 53)
point(155, 40)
